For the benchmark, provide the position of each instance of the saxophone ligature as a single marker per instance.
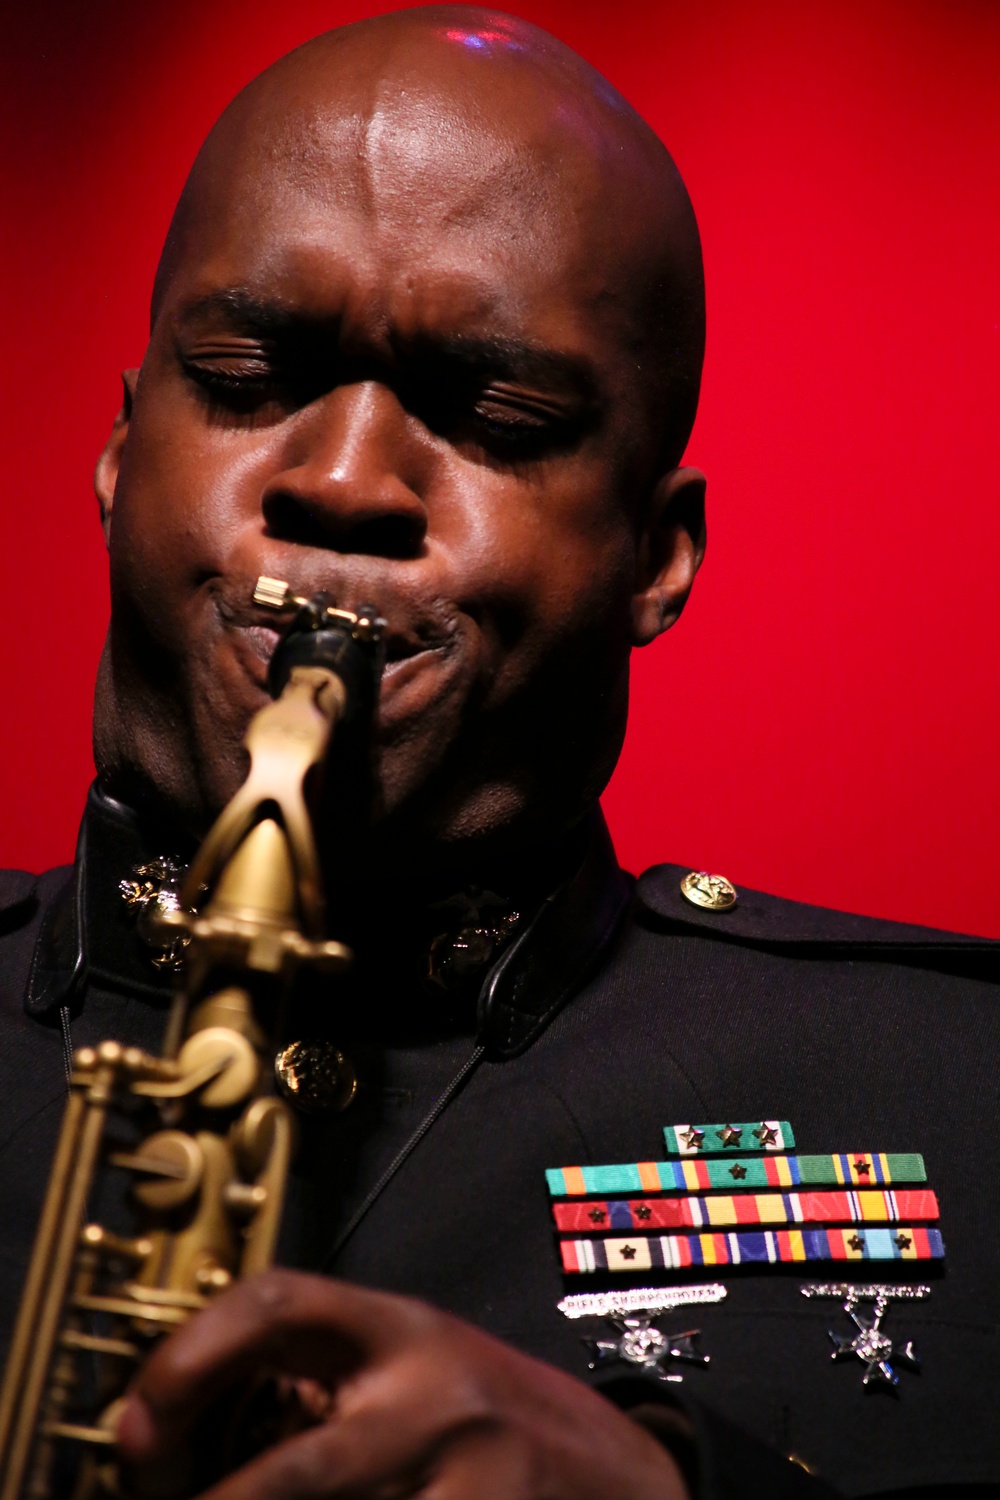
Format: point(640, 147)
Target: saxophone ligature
point(200, 1132)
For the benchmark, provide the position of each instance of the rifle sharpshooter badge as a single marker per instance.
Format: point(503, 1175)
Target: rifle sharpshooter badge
point(713, 1140)
point(639, 1342)
point(876, 1351)
point(644, 1346)
point(640, 1299)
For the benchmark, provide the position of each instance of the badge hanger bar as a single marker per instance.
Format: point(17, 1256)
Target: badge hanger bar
point(856, 1291)
point(639, 1300)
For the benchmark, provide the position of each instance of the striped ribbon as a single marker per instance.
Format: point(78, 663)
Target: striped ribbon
point(842, 1169)
point(882, 1206)
point(676, 1251)
point(711, 1140)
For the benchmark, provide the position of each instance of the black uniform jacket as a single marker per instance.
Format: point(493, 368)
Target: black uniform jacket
point(619, 1009)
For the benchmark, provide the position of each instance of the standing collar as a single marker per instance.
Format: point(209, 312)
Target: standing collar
point(556, 953)
point(88, 936)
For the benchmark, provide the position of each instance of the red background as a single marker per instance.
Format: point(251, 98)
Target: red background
point(823, 723)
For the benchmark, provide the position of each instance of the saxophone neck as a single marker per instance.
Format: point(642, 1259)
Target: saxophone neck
point(253, 901)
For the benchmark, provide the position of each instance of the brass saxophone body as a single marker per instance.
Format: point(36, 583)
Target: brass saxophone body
point(200, 1130)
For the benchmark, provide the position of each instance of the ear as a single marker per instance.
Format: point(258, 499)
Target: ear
point(671, 547)
point(106, 473)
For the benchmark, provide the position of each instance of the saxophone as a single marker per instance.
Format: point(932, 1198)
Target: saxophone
point(200, 1131)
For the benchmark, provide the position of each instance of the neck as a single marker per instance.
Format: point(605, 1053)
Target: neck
point(422, 947)
point(389, 902)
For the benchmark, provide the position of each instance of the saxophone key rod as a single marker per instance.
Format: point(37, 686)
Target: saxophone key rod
point(210, 1143)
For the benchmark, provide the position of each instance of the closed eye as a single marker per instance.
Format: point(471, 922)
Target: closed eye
point(503, 424)
point(244, 389)
point(507, 432)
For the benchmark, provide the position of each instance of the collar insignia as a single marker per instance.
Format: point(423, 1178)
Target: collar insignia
point(153, 888)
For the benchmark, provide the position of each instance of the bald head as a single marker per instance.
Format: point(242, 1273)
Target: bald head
point(427, 332)
point(431, 122)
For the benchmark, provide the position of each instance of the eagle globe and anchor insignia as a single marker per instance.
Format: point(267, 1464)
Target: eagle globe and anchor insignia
point(713, 892)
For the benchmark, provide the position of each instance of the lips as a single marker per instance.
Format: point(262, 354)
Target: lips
point(399, 652)
point(422, 642)
point(263, 639)
point(398, 649)
point(414, 626)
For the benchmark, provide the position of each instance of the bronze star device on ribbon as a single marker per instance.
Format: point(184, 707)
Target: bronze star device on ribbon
point(843, 1206)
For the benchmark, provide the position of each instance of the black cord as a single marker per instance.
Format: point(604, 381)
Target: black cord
point(66, 1042)
point(440, 1105)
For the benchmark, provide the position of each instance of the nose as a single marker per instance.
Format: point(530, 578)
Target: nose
point(353, 478)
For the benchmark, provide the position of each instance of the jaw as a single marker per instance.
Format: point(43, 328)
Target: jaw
point(456, 776)
point(169, 724)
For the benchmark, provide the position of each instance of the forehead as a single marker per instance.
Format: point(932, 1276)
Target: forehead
point(416, 211)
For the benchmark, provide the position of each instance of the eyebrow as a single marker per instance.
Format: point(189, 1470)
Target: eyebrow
point(238, 305)
point(498, 356)
point(507, 358)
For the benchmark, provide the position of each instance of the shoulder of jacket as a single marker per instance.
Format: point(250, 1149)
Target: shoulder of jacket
point(17, 888)
point(758, 918)
point(22, 893)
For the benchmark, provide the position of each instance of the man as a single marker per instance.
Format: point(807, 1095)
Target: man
point(427, 330)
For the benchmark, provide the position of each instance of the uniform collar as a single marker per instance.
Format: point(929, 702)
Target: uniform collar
point(555, 954)
point(88, 936)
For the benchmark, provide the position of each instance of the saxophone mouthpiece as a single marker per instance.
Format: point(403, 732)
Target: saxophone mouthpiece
point(320, 612)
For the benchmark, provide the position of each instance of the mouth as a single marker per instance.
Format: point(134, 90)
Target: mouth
point(263, 639)
point(432, 662)
point(409, 644)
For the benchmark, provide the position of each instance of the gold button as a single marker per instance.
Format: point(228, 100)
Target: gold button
point(315, 1077)
point(714, 892)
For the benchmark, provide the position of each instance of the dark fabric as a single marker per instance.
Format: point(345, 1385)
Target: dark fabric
point(540, 972)
point(88, 935)
point(867, 1044)
point(760, 918)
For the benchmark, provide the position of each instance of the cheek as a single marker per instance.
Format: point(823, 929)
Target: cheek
point(548, 564)
point(184, 496)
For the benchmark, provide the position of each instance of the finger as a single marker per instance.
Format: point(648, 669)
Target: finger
point(380, 1450)
point(488, 1465)
point(300, 1325)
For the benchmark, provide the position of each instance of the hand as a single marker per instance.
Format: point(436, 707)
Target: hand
point(403, 1400)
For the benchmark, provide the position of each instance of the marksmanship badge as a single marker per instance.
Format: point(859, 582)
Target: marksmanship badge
point(643, 1345)
point(640, 1299)
point(876, 1351)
